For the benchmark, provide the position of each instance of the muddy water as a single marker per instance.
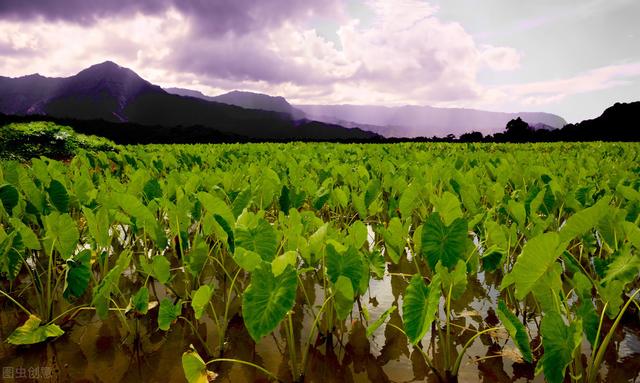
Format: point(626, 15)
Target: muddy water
point(92, 350)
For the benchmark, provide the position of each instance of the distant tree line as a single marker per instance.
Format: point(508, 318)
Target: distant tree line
point(618, 123)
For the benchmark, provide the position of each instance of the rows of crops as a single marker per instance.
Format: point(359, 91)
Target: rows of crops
point(352, 262)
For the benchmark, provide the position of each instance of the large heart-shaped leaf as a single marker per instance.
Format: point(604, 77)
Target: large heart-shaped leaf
point(584, 220)
point(420, 306)
point(58, 196)
point(9, 196)
point(261, 239)
point(267, 300)
point(201, 299)
point(195, 369)
point(168, 313)
point(443, 243)
point(348, 264)
point(559, 342)
point(343, 290)
point(537, 257)
point(31, 332)
point(78, 275)
point(61, 230)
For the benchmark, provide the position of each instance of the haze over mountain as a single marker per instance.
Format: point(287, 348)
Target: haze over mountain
point(425, 121)
point(112, 93)
point(405, 121)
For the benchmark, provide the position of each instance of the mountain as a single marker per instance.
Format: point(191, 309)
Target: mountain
point(423, 121)
point(617, 123)
point(247, 100)
point(112, 93)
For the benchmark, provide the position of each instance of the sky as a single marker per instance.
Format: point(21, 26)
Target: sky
point(570, 57)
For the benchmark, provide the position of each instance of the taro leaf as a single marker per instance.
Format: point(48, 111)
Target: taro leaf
point(537, 257)
point(261, 239)
point(29, 238)
point(380, 321)
point(161, 269)
point(584, 220)
point(226, 226)
point(168, 313)
point(78, 275)
point(98, 224)
point(139, 302)
point(152, 190)
point(420, 307)
point(281, 262)
point(197, 256)
point(394, 239)
point(62, 231)
point(348, 264)
point(9, 196)
point(586, 311)
point(344, 295)
point(102, 292)
point(201, 299)
point(455, 280)
point(195, 370)
point(624, 266)
point(376, 263)
point(548, 288)
point(611, 293)
point(267, 300)
point(492, 258)
point(58, 196)
point(372, 192)
point(409, 200)
point(448, 207)
point(559, 342)
point(243, 199)
point(357, 234)
point(443, 243)
point(11, 248)
point(284, 201)
point(31, 332)
point(516, 330)
point(216, 206)
point(518, 212)
point(247, 259)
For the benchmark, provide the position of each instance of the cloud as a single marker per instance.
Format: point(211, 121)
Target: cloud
point(551, 91)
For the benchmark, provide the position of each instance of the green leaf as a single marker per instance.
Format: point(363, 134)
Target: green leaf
point(58, 196)
point(31, 332)
point(380, 321)
point(443, 243)
point(11, 254)
point(344, 295)
point(518, 212)
point(516, 330)
point(98, 224)
point(420, 307)
point(625, 267)
point(195, 370)
point(62, 231)
point(455, 280)
point(537, 257)
point(152, 190)
point(29, 238)
point(347, 264)
point(247, 259)
point(226, 226)
point(372, 192)
point(243, 199)
point(139, 302)
point(78, 275)
point(217, 206)
point(559, 342)
point(267, 300)
point(357, 234)
point(161, 269)
point(584, 220)
point(394, 239)
point(9, 196)
point(586, 311)
point(168, 313)
point(201, 299)
point(448, 207)
point(261, 239)
point(197, 256)
point(281, 262)
point(611, 293)
point(409, 200)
